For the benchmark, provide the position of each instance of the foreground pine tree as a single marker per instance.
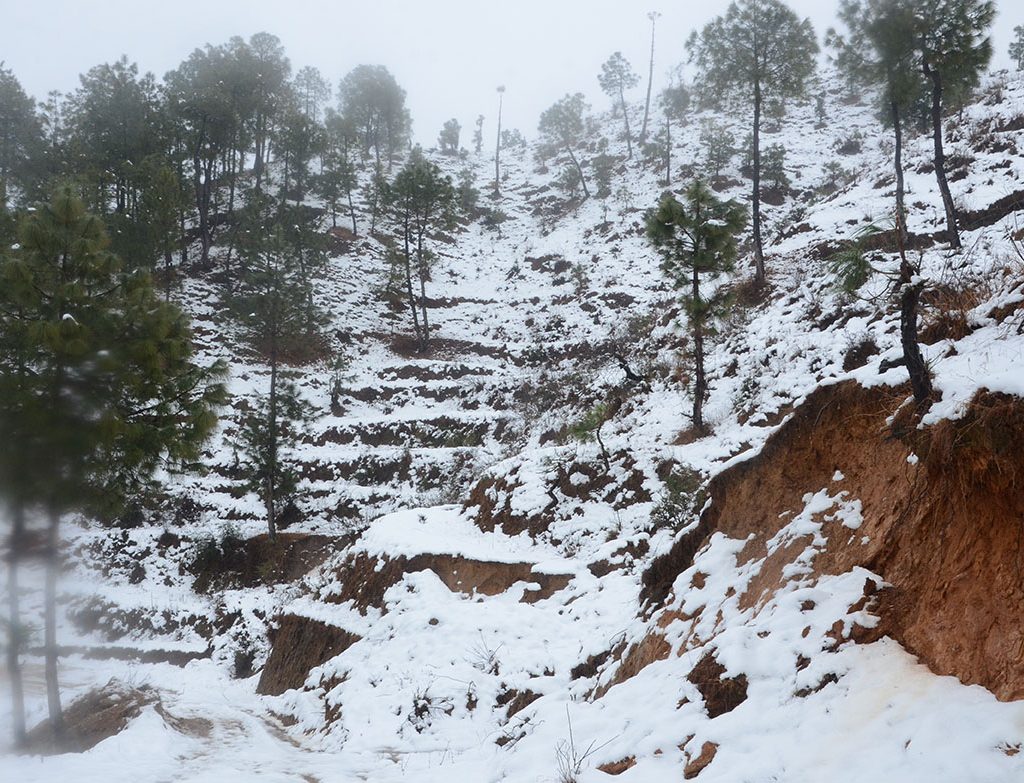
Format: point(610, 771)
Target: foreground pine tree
point(697, 239)
point(98, 387)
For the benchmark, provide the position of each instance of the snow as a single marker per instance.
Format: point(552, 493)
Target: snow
point(413, 436)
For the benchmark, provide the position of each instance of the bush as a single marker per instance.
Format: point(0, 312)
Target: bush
point(684, 497)
point(604, 171)
point(773, 168)
point(568, 181)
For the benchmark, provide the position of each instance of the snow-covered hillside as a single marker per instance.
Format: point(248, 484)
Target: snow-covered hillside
point(821, 589)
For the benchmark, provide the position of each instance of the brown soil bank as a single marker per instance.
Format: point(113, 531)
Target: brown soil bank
point(364, 578)
point(946, 533)
point(299, 646)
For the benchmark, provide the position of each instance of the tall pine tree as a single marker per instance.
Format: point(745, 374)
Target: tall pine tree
point(759, 51)
point(97, 384)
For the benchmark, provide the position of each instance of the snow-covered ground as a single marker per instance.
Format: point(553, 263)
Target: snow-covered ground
point(525, 318)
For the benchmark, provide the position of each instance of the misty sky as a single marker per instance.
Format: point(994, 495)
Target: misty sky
point(448, 54)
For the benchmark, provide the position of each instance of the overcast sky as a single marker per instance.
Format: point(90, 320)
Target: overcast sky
point(449, 55)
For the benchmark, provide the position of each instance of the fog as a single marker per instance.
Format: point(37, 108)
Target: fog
point(449, 55)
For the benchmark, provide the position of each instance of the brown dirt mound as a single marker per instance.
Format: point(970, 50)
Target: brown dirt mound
point(299, 645)
point(721, 694)
point(365, 579)
point(92, 718)
point(946, 534)
point(697, 764)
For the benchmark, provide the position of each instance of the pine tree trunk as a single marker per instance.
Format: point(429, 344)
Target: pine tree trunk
point(271, 477)
point(920, 377)
point(408, 285)
point(668, 152)
point(260, 135)
point(625, 118)
point(579, 169)
point(352, 212)
point(497, 149)
point(699, 380)
point(940, 156)
point(759, 274)
point(425, 341)
point(50, 650)
point(14, 629)
point(650, 82)
point(901, 214)
point(168, 263)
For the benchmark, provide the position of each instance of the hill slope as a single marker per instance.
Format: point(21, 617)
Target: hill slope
point(823, 588)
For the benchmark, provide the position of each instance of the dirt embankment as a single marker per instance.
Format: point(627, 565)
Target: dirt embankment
point(945, 529)
point(364, 578)
point(299, 645)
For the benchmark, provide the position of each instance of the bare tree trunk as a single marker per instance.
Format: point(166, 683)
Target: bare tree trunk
point(50, 650)
point(625, 118)
point(920, 377)
point(759, 275)
point(653, 16)
point(15, 640)
point(940, 156)
point(497, 145)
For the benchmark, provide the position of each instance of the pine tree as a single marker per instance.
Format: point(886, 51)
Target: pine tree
point(879, 51)
point(162, 202)
point(21, 136)
point(760, 51)
point(338, 178)
point(561, 128)
point(675, 102)
point(1017, 47)
point(478, 135)
point(421, 201)
point(954, 50)
point(497, 142)
point(372, 100)
point(615, 78)
point(202, 97)
point(112, 124)
point(719, 145)
point(448, 139)
point(264, 60)
point(697, 239)
point(97, 385)
point(274, 303)
point(312, 90)
point(774, 165)
point(298, 140)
